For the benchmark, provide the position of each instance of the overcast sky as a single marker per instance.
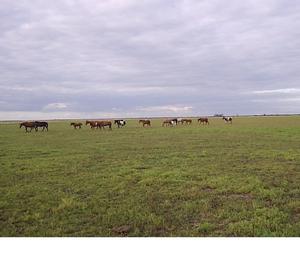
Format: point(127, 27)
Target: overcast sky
point(84, 58)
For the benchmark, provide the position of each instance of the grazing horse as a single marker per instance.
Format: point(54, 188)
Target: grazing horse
point(75, 125)
point(203, 120)
point(145, 122)
point(227, 119)
point(41, 124)
point(179, 120)
point(168, 122)
point(92, 124)
point(27, 125)
point(120, 123)
point(103, 124)
point(186, 121)
point(175, 121)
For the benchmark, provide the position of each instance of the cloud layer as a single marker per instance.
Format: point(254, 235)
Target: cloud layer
point(83, 58)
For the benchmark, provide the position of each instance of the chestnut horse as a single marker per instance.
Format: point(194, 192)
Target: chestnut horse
point(103, 124)
point(27, 125)
point(145, 122)
point(203, 120)
point(75, 125)
point(93, 124)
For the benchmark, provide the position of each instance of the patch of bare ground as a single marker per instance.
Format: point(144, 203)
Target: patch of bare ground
point(122, 230)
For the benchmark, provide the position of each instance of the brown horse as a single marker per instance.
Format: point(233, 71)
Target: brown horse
point(203, 120)
point(75, 125)
point(103, 124)
point(145, 122)
point(168, 122)
point(27, 125)
point(93, 124)
point(186, 121)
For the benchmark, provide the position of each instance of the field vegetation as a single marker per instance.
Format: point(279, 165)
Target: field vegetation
point(218, 180)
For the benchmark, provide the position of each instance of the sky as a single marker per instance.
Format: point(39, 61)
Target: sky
point(135, 58)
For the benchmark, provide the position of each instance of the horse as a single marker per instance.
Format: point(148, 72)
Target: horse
point(175, 121)
point(27, 125)
point(168, 122)
point(179, 120)
point(120, 122)
point(75, 125)
point(203, 120)
point(41, 124)
point(186, 121)
point(145, 122)
point(227, 119)
point(92, 124)
point(103, 124)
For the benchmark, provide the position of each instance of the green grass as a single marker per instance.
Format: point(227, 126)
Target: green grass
point(218, 180)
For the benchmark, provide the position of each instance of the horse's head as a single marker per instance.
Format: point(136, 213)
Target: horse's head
point(22, 124)
point(87, 122)
point(72, 124)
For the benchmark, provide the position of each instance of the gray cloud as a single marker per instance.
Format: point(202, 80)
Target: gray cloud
point(131, 58)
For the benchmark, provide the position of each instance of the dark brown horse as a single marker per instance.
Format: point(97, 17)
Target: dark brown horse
point(75, 125)
point(186, 121)
point(203, 120)
point(145, 122)
point(27, 125)
point(103, 124)
point(42, 124)
point(93, 124)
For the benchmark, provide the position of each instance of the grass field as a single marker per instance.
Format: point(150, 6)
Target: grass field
point(218, 180)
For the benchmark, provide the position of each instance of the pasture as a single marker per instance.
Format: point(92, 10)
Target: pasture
point(191, 180)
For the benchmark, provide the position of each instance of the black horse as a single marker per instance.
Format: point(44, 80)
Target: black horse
point(42, 124)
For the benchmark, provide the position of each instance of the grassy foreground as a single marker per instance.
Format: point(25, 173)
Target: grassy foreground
point(218, 180)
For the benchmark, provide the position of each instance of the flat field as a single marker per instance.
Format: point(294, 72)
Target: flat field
point(218, 180)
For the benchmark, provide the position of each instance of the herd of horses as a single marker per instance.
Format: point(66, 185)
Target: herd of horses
point(102, 124)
